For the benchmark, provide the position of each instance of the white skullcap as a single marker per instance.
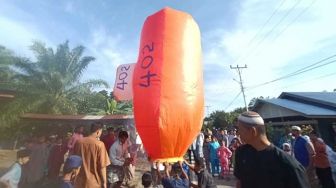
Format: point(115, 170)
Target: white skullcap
point(252, 118)
point(296, 128)
point(286, 144)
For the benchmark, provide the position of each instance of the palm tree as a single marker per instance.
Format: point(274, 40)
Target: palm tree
point(7, 59)
point(52, 83)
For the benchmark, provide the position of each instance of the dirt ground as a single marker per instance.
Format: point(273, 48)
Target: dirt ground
point(8, 157)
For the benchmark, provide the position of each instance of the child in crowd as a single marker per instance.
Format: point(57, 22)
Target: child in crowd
point(235, 143)
point(224, 154)
point(206, 151)
point(147, 181)
point(214, 161)
point(204, 178)
point(12, 177)
point(71, 169)
point(176, 177)
point(287, 148)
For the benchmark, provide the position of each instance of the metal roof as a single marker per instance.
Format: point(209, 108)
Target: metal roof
point(307, 110)
point(323, 98)
point(74, 117)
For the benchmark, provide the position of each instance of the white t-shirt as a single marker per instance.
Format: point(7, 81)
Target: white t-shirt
point(118, 152)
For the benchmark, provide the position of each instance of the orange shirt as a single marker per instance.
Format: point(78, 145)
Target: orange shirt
point(95, 158)
point(321, 158)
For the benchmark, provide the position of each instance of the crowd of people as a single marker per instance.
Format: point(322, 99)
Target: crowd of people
point(108, 158)
point(59, 160)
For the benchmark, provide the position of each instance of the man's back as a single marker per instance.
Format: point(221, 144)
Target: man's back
point(300, 151)
point(95, 158)
point(171, 182)
point(270, 167)
point(205, 179)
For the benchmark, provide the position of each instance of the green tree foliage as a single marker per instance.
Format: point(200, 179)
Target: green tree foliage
point(93, 103)
point(50, 84)
point(254, 100)
point(115, 107)
point(100, 103)
point(219, 119)
point(222, 119)
point(7, 61)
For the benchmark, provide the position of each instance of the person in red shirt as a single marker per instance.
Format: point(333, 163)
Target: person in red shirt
point(321, 161)
point(77, 135)
point(109, 138)
point(56, 158)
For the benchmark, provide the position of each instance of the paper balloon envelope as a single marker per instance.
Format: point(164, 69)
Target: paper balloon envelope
point(123, 89)
point(168, 94)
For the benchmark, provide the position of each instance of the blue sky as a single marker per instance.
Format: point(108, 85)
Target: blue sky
point(300, 33)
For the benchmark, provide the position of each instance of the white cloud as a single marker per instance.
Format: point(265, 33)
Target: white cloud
point(109, 54)
point(18, 36)
point(307, 37)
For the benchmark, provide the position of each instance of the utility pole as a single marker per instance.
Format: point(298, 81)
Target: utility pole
point(207, 109)
point(241, 82)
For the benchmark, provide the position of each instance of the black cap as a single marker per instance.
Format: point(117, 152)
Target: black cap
point(23, 153)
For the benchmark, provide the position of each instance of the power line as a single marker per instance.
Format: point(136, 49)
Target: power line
point(270, 31)
point(266, 83)
point(316, 78)
point(297, 72)
point(232, 101)
point(295, 19)
point(262, 27)
point(312, 65)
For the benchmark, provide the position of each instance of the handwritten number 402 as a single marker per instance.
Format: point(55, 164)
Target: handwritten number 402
point(146, 62)
point(122, 76)
point(149, 48)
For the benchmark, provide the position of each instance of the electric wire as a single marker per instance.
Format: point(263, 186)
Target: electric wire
point(305, 81)
point(262, 28)
point(271, 31)
point(297, 72)
point(232, 101)
point(294, 20)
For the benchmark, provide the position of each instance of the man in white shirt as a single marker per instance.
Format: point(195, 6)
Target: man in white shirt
point(120, 158)
point(199, 145)
point(232, 135)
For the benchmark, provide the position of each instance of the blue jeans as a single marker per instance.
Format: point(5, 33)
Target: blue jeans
point(214, 166)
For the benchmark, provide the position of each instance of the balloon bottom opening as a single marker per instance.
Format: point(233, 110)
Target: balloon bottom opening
point(169, 160)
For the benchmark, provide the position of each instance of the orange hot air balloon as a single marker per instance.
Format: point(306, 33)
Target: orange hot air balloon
point(168, 94)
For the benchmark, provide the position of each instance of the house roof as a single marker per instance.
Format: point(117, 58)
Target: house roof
point(326, 99)
point(74, 117)
point(6, 94)
point(118, 119)
point(308, 104)
point(307, 110)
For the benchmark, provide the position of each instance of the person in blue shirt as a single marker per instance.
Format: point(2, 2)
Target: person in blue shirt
point(304, 152)
point(70, 170)
point(176, 178)
point(214, 161)
point(12, 177)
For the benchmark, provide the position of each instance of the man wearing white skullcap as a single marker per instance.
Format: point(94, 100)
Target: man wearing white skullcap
point(259, 163)
point(304, 152)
